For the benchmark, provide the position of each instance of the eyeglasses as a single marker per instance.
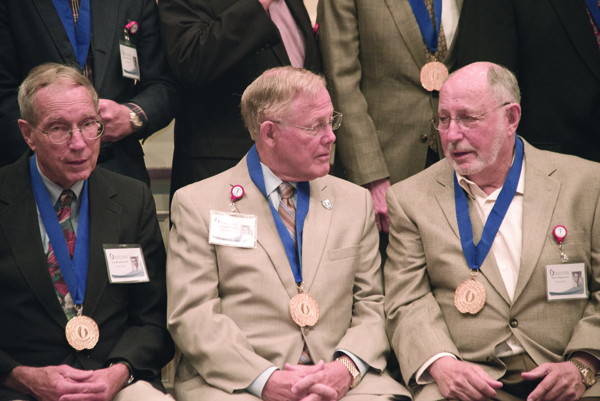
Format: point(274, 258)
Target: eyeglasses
point(59, 134)
point(465, 121)
point(316, 129)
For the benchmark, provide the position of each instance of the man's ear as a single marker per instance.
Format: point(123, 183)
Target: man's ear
point(27, 131)
point(269, 134)
point(514, 116)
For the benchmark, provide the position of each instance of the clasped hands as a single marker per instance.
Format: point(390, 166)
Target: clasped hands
point(458, 380)
point(321, 382)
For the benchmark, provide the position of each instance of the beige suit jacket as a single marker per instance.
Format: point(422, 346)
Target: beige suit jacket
point(228, 308)
point(425, 265)
point(373, 53)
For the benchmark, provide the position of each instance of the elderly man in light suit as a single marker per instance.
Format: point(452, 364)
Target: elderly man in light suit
point(504, 334)
point(231, 303)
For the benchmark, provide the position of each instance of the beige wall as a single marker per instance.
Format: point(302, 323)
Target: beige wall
point(159, 147)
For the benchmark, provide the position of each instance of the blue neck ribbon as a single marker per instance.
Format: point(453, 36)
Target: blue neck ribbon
point(80, 36)
point(302, 204)
point(475, 255)
point(594, 10)
point(430, 36)
point(74, 272)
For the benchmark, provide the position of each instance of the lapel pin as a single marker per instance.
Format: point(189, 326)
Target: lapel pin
point(327, 204)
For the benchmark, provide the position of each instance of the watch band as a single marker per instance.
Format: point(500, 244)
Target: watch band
point(129, 368)
point(587, 376)
point(355, 373)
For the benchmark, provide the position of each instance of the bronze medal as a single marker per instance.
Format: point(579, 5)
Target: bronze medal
point(433, 75)
point(82, 332)
point(470, 296)
point(304, 309)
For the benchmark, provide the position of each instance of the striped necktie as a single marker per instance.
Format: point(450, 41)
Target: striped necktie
point(287, 210)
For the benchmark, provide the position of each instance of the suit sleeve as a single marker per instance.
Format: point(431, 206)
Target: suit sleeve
point(415, 325)
point(203, 44)
point(487, 31)
point(156, 92)
point(12, 144)
point(209, 340)
point(146, 343)
point(339, 37)
point(365, 337)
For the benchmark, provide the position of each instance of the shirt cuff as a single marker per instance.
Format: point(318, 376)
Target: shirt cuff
point(422, 376)
point(360, 364)
point(256, 387)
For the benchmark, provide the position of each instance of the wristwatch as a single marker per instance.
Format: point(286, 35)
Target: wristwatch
point(352, 369)
point(586, 373)
point(130, 368)
point(136, 121)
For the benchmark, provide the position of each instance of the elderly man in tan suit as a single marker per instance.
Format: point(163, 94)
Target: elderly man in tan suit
point(274, 284)
point(510, 325)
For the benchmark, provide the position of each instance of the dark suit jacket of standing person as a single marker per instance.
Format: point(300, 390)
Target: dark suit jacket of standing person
point(131, 317)
point(31, 33)
point(550, 45)
point(216, 48)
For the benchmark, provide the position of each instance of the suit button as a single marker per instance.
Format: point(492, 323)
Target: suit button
point(424, 137)
point(514, 323)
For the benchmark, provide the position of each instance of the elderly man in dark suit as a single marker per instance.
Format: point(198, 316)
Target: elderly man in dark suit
point(70, 328)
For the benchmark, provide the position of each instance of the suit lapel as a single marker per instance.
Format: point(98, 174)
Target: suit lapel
point(105, 215)
point(406, 23)
point(104, 28)
point(20, 223)
point(540, 197)
point(311, 55)
point(577, 24)
point(253, 202)
point(316, 230)
point(56, 30)
point(445, 198)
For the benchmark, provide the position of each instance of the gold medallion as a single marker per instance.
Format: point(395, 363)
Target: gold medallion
point(470, 296)
point(304, 309)
point(82, 332)
point(433, 75)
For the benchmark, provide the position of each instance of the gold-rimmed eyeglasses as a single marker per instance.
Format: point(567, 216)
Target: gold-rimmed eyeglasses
point(59, 134)
point(335, 122)
point(465, 121)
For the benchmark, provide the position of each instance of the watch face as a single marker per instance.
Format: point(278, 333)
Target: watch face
point(588, 378)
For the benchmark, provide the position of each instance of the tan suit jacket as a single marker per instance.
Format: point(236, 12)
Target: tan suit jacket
point(228, 308)
point(426, 264)
point(373, 53)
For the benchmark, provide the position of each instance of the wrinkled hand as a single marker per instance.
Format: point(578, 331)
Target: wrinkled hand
point(280, 383)
point(329, 384)
point(265, 3)
point(63, 383)
point(378, 189)
point(561, 382)
point(459, 380)
point(117, 124)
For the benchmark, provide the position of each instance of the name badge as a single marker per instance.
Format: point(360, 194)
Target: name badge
point(129, 60)
point(232, 229)
point(566, 281)
point(125, 263)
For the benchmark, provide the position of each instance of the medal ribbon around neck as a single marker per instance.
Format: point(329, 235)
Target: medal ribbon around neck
point(80, 36)
point(425, 24)
point(594, 10)
point(475, 255)
point(74, 272)
point(302, 204)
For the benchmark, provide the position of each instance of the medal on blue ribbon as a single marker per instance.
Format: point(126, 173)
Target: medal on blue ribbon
point(303, 308)
point(81, 331)
point(470, 296)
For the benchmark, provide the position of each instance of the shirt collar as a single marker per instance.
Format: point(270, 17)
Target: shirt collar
point(54, 190)
point(272, 182)
point(474, 191)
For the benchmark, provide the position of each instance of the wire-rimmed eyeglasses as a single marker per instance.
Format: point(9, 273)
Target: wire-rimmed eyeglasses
point(59, 134)
point(465, 121)
point(335, 122)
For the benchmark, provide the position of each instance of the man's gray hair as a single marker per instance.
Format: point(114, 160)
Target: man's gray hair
point(503, 84)
point(271, 95)
point(47, 75)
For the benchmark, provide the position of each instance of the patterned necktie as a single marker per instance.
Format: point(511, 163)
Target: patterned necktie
point(287, 210)
point(60, 287)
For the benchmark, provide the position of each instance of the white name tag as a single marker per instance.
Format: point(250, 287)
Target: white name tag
point(232, 229)
point(129, 61)
point(125, 263)
point(566, 281)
